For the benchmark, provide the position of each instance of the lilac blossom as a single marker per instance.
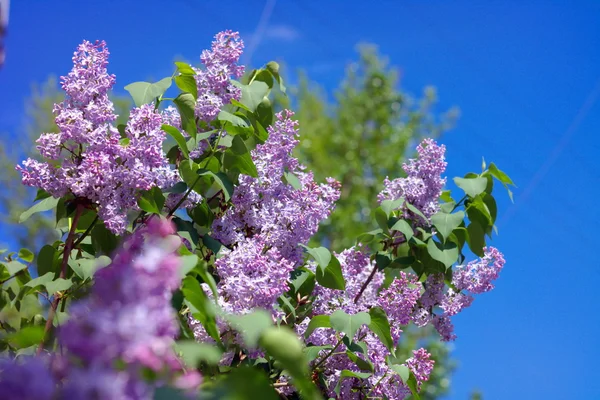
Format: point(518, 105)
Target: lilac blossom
point(268, 221)
point(423, 184)
point(398, 301)
point(87, 157)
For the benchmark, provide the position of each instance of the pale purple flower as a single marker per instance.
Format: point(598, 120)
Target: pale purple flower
point(423, 184)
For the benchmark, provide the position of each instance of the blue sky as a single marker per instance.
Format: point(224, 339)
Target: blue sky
point(526, 76)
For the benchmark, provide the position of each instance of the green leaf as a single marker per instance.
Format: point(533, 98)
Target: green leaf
point(381, 326)
point(27, 336)
point(253, 94)
point(331, 277)
point(184, 68)
point(292, 180)
point(353, 374)
point(203, 308)
point(188, 263)
point(264, 112)
point(412, 385)
point(25, 255)
point(446, 253)
point(362, 364)
point(193, 353)
point(329, 271)
point(103, 239)
point(40, 280)
point(86, 267)
point(368, 237)
point(213, 244)
point(476, 238)
point(58, 285)
point(500, 175)
point(186, 104)
point(187, 83)
point(382, 219)
point(446, 223)
point(241, 384)
point(222, 180)
point(44, 205)
point(318, 321)
point(283, 345)
point(178, 136)
point(402, 370)
point(241, 162)
point(303, 281)
point(404, 227)
point(202, 269)
point(251, 326)
point(321, 255)
point(168, 393)
point(14, 266)
point(145, 92)
point(46, 259)
point(349, 323)
point(390, 205)
point(225, 115)
point(446, 196)
point(273, 68)
point(312, 352)
point(471, 186)
point(416, 211)
point(152, 201)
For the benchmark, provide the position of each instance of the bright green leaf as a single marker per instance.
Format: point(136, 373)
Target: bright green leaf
point(381, 326)
point(446, 223)
point(44, 205)
point(348, 323)
point(471, 186)
point(145, 92)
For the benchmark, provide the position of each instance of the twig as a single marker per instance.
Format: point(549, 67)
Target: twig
point(63, 273)
point(329, 354)
point(364, 286)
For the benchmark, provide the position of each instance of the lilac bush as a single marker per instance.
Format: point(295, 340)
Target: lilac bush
point(214, 282)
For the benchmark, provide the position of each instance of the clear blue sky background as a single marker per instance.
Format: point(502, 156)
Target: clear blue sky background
point(526, 76)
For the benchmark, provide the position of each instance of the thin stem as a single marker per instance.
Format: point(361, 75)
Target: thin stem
point(180, 202)
point(329, 354)
point(63, 273)
point(459, 202)
point(87, 232)
point(13, 276)
point(364, 286)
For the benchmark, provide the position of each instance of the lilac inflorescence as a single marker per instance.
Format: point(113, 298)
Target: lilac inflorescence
point(88, 158)
point(397, 300)
point(267, 222)
point(423, 184)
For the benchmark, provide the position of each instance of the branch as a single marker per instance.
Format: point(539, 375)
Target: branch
point(364, 286)
point(63, 272)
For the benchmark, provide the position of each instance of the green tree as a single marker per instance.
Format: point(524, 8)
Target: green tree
point(361, 137)
point(38, 119)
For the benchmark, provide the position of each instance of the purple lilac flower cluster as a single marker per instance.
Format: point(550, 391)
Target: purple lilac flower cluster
point(423, 184)
point(88, 157)
point(215, 88)
point(473, 278)
point(266, 223)
point(127, 318)
point(397, 300)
